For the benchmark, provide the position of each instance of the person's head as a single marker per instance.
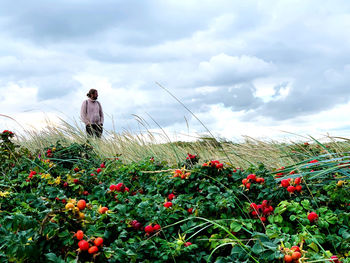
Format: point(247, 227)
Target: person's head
point(93, 94)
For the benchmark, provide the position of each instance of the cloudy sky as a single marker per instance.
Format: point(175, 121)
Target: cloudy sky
point(254, 68)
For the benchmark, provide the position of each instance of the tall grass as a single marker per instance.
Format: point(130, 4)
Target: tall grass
point(132, 146)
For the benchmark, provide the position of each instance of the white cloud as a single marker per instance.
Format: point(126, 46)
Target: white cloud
point(224, 69)
point(239, 62)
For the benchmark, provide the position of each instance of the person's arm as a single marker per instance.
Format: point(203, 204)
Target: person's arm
point(83, 113)
point(101, 114)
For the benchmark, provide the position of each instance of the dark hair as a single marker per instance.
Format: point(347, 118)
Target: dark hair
point(91, 91)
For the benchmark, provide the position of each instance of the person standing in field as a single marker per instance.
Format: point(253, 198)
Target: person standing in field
point(92, 115)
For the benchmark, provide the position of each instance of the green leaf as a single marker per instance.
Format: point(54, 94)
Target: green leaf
point(270, 245)
point(65, 233)
point(314, 247)
point(306, 204)
point(292, 217)
point(278, 219)
point(51, 257)
point(257, 248)
point(235, 226)
point(280, 209)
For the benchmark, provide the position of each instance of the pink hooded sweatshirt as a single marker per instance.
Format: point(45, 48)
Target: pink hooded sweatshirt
point(91, 112)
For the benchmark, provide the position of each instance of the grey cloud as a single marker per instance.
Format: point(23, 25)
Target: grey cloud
point(59, 20)
point(310, 94)
point(56, 86)
point(133, 22)
point(127, 55)
point(237, 98)
point(223, 69)
point(278, 89)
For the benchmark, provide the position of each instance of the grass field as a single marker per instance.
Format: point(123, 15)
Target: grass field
point(148, 199)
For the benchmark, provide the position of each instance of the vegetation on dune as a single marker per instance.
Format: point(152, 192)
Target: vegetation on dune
point(125, 199)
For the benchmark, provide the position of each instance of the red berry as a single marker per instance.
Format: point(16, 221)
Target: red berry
point(263, 219)
point(102, 165)
point(98, 170)
point(252, 177)
point(264, 203)
point(295, 248)
point(120, 187)
point(334, 259)
point(76, 181)
point(149, 229)
point(254, 206)
point(247, 185)
point(291, 189)
point(76, 169)
point(171, 196)
point(219, 166)
point(284, 183)
point(244, 181)
point(137, 225)
point(156, 227)
point(83, 245)
point(298, 188)
point(113, 187)
point(190, 210)
point(168, 204)
point(187, 244)
point(312, 217)
point(266, 211)
point(297, 180)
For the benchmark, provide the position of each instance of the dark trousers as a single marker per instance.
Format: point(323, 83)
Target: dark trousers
point(94, 130)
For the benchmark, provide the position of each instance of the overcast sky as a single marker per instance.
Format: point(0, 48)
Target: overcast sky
point(242, 67)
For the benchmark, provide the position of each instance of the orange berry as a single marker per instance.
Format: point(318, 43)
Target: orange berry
point(69, 206)
point(98, 241)
point(93, 250)
point(296, 255)
point(81, 204)
point(80, 235)
point(103, 210)
point(288, 258)
point(81, 215)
